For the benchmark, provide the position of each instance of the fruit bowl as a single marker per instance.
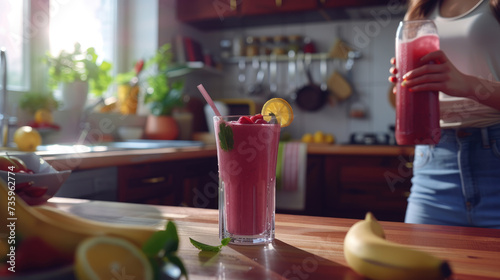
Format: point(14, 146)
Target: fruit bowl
point(37, 187)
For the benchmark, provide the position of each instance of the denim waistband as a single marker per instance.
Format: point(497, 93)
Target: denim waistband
point(487, 134)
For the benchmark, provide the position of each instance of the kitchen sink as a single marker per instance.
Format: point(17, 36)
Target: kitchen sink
point(139, 144)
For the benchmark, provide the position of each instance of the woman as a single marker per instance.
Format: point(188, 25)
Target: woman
point(457, 182)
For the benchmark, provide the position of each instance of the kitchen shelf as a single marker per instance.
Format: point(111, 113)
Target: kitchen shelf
point(286, 58)
point(191, 67)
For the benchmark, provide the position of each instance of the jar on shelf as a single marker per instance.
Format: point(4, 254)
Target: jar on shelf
point(266, 45)
point(252, 46)
point(295, 43)
point(226, 48)
point(280, 45)
point(238, 47)
point(309, 46)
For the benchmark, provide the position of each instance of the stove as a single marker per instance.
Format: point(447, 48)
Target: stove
point(371, 139)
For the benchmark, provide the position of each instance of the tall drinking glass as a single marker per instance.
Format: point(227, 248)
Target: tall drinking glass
point(417, 113)
point(247, 155)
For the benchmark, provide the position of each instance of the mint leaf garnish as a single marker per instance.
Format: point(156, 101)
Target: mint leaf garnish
point(206, 247)
point(161, 248)
point(226, 137)
point(166, 240)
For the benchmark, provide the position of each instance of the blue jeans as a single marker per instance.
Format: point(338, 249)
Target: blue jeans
point(457, 181)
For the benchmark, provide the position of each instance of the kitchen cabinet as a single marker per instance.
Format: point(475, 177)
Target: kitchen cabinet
point(96, 183)
point(182, 182)
point(356, 184)
point(219, 14)
point(150, 183)
point(197, 10)
point(351, 3)
point(262, 7)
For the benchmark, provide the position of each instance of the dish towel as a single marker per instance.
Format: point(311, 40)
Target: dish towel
point(291, 171)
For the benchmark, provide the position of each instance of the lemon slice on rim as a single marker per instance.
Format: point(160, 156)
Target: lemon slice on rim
point(280, 108)
point(105, 257)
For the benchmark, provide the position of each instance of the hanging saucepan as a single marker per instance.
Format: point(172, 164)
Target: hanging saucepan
point(310, 97)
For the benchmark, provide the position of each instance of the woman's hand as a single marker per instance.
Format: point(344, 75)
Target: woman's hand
point(437, 73)
point(392, 78)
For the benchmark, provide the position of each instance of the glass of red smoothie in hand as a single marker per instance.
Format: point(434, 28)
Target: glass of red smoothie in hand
point(247, 149)
point(417, 113)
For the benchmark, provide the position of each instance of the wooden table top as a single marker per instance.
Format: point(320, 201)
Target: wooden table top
point(305, 247)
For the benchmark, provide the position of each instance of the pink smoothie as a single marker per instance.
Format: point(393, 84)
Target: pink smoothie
point(248, 173)
point(417, 113)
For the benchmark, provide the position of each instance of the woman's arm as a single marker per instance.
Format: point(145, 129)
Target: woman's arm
point(438, 73)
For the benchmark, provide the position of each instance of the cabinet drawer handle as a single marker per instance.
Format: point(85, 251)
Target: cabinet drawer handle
point(153, 180)
point(409, 165)
point(279, 3)
point(232, 5)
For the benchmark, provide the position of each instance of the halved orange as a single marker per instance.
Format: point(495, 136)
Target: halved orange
point(279, 108)
point(105, 257)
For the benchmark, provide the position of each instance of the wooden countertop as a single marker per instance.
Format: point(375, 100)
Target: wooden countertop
point(375, 150)
point(80, 161)
point(312, 247)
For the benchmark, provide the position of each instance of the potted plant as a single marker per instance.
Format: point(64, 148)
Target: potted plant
point(33, 101)
point(36, 109)
point(162, 95)
point(78, 73)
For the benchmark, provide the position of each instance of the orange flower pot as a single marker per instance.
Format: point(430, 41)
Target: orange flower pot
point(161, 128)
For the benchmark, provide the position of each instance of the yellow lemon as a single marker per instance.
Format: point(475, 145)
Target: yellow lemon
point(27, 139)
point(329, 138)
point(43, 116)
point(105, 257)
point(307, 138)
point(280, 108)
point(319, 137)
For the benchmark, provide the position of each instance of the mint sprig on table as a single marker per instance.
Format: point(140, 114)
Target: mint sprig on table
point(161, 250)
point(226, 137)
point(206, 247)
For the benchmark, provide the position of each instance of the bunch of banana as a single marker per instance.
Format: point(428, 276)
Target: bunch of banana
point(61, 230)
point(368, 252)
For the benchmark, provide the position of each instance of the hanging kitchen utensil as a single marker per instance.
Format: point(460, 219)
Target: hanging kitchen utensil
point(323, 69)
point(357, 108)
point(340, 88)
point(241, 75)
point(273, 75)
point(310, 97)
point(291, 85)
point(340, 50)
point(258, 86)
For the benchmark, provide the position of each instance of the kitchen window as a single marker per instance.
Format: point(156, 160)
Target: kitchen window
point(88, 22)
point(31, 28)
point(14, 40)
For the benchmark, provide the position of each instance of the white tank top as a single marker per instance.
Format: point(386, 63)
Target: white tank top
point(472, 42)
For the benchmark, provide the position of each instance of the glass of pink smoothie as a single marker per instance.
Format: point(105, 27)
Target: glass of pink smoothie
point(247, 154)
point(417, 113)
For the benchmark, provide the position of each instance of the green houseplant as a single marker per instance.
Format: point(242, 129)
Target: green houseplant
point(33, 101)
point(81, 70)
point(162, 95)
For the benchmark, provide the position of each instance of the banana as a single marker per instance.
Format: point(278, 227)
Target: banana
point(368, 252)
point(62, 231)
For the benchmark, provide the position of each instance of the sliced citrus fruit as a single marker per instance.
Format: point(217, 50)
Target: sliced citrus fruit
point(279, 108)
point(105, 257)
